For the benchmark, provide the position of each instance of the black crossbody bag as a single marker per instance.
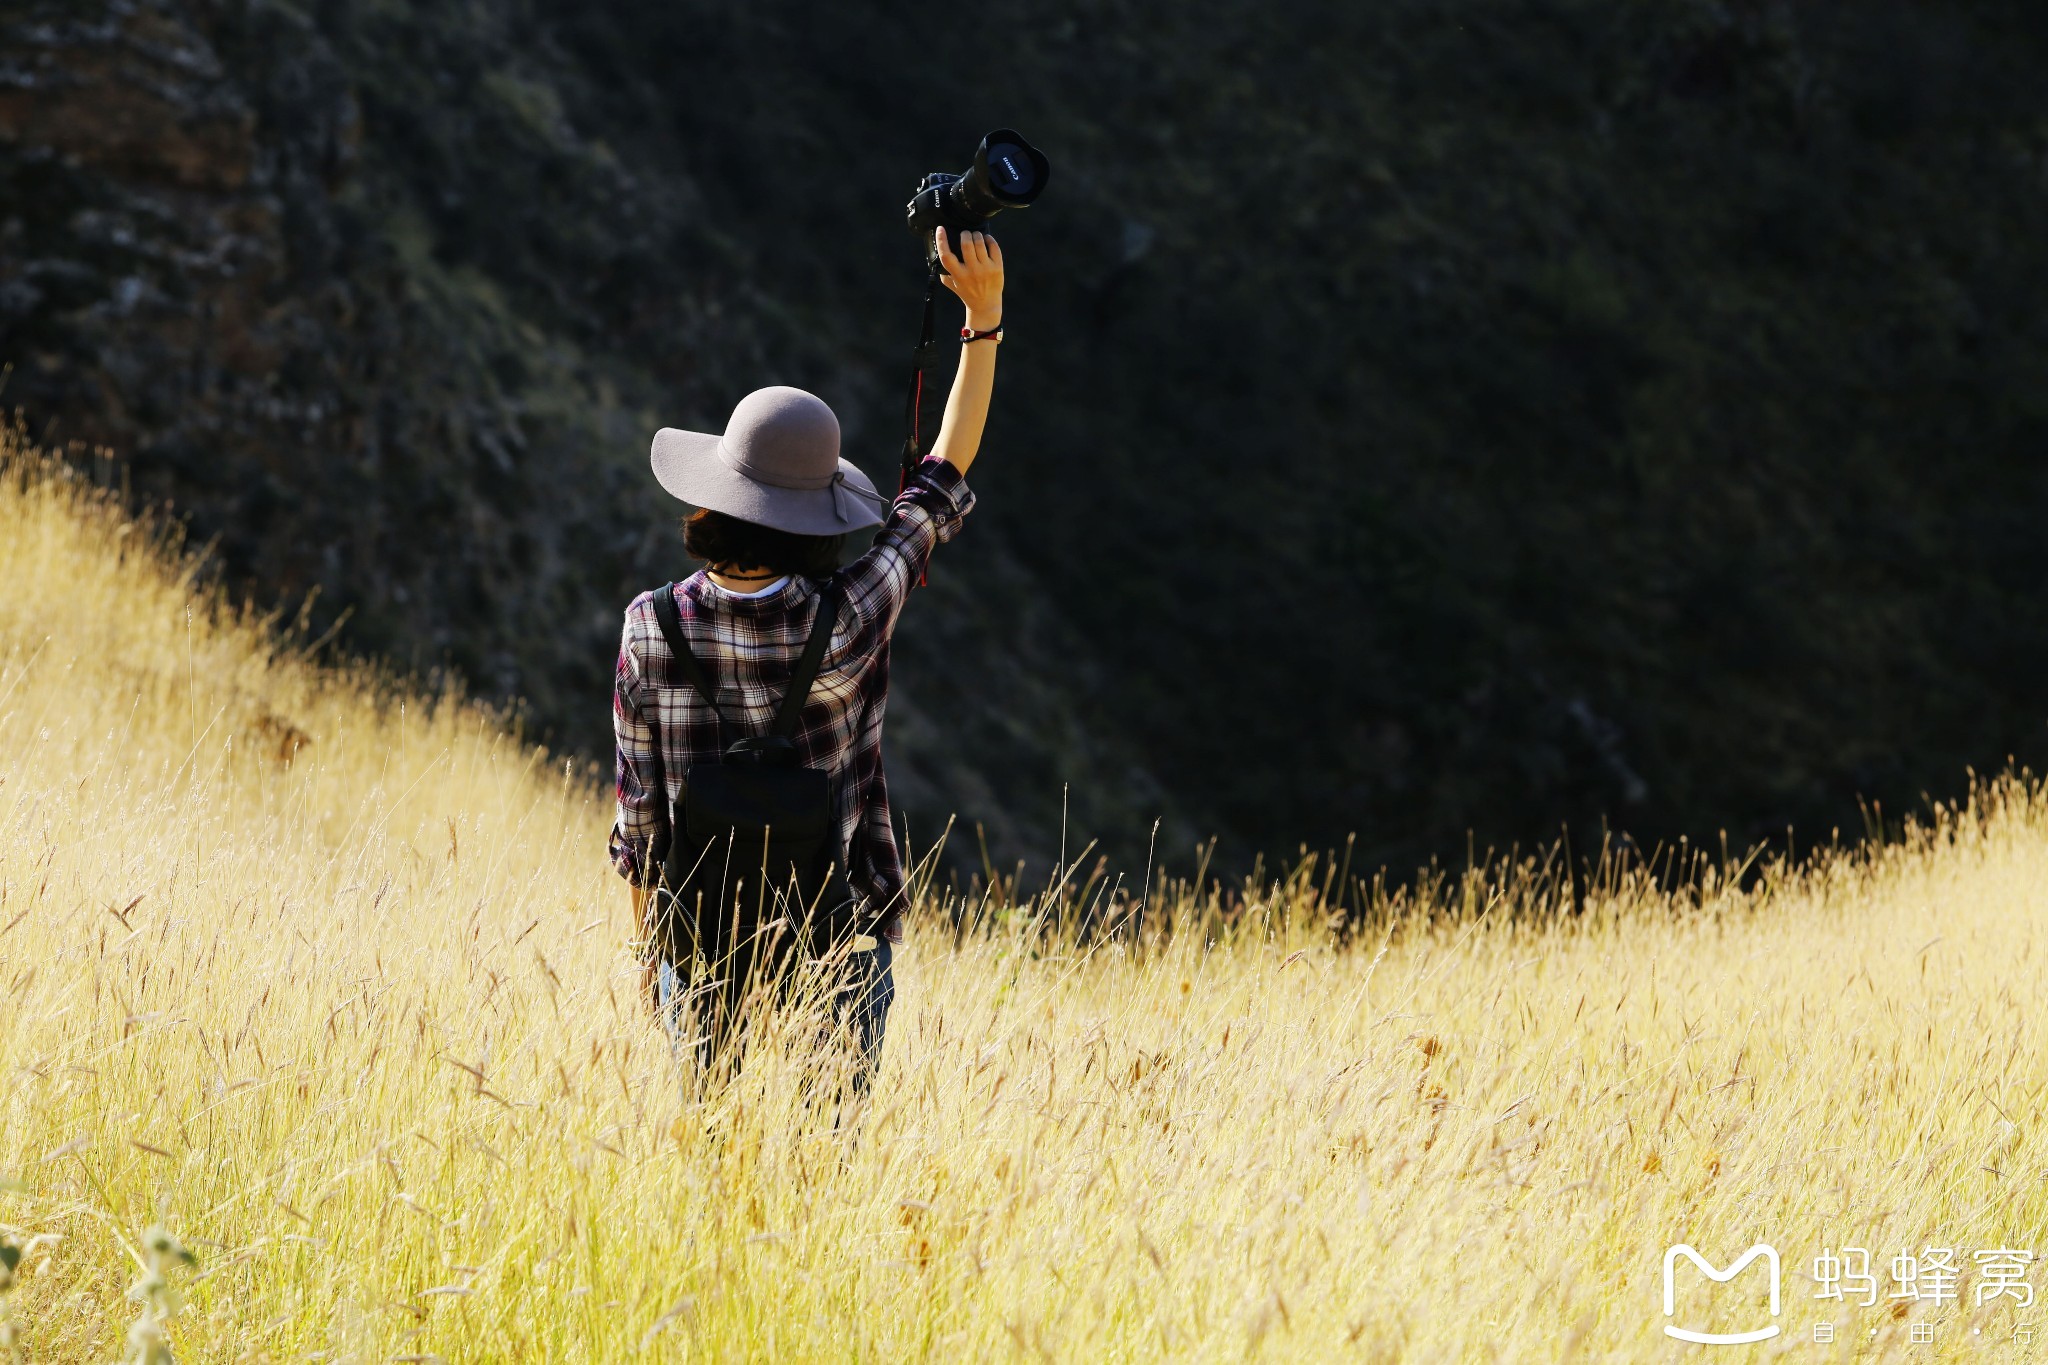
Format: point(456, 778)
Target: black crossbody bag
point(755, 838)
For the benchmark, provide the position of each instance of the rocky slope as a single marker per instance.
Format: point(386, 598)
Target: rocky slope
point(353, 294)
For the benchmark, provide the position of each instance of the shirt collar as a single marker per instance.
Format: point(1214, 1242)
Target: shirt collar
point(787, 593)
point(769, 591)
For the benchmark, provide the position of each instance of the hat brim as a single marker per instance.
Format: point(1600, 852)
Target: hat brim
point(689, 466)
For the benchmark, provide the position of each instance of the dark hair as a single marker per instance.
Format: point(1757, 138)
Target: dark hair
point(717, 538)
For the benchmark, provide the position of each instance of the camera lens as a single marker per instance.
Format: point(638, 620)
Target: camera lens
point(1010, 171)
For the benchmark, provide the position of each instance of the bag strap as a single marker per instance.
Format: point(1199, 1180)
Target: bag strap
point(800, 678)
point(806, 670)
point(671, 622)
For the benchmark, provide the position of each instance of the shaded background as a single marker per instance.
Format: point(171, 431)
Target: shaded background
point(1427, 419)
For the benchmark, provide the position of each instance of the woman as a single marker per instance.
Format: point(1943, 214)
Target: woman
point(774, 501)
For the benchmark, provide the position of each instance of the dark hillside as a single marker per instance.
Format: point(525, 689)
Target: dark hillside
point(1417, 416)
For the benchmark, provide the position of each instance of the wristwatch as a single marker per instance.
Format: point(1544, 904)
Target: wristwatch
point(968, 334)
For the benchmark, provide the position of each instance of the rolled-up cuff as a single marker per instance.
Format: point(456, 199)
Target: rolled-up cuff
point(625, 858)
point(940, 472)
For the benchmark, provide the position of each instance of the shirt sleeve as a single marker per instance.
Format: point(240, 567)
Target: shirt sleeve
point(927, 513)
point(639, 838)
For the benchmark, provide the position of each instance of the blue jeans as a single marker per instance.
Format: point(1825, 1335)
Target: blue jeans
point(861, 997)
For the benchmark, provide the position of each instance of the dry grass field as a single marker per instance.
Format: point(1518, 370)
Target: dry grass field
point(333, 983)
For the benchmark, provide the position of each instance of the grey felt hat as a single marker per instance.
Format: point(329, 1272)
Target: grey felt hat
point(777, 465)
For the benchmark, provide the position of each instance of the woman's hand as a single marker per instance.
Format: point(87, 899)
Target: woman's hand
point(976, 275)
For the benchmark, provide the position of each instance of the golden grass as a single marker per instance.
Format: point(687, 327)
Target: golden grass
point(361, 1028)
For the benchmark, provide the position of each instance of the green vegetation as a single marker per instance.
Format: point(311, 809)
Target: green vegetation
point(1417, 417)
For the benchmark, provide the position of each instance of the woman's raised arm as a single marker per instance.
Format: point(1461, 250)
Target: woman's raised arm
point(976, 275)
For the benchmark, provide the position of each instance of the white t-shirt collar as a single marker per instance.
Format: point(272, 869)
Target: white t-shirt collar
point(774, 587)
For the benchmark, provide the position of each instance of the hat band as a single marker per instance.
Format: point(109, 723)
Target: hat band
point(847, 498)
point(740, 466)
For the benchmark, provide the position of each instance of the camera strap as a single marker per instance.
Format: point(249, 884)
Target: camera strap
point(924, 357)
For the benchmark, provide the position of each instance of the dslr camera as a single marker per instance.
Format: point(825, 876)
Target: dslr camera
point(1007, 173)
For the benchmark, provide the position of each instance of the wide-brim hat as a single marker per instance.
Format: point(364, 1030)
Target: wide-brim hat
point(777, 464)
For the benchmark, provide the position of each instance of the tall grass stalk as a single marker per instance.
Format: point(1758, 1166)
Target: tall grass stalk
point(330, 979)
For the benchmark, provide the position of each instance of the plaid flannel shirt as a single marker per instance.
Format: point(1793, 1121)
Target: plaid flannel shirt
point(749, 646)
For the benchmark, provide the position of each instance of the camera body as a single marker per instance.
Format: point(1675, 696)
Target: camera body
point(1007, 173)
